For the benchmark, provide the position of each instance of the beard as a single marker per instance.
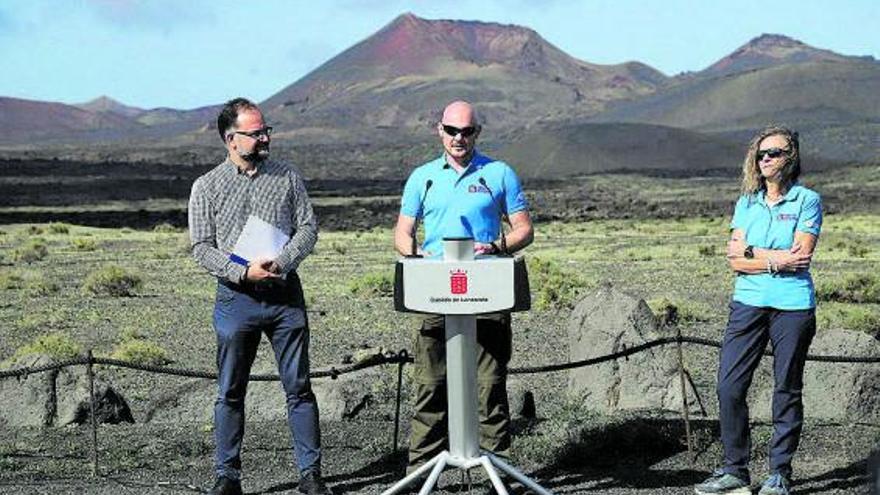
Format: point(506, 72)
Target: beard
point(257, 154)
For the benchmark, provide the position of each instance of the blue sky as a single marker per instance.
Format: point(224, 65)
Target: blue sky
point(189, 53)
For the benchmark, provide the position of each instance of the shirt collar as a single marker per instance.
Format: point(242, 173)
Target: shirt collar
point(790, 195)
point(477, 162)
point(238, 171)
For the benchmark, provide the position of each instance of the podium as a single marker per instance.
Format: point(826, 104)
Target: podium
point(460, 287)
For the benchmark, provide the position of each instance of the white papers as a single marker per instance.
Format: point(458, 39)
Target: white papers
point(258, 239)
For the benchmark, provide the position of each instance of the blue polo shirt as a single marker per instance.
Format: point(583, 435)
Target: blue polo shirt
point(457, 205)
point(773, 227)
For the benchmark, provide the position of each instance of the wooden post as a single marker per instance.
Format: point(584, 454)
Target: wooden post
point(400, 364)
point(91, 375)
point(684, 401)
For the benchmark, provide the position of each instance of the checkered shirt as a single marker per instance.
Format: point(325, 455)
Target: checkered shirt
point(221, 201)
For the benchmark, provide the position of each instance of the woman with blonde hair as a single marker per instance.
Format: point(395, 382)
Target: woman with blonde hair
point(775, 227)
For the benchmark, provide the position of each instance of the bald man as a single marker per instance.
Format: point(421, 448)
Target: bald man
point(447, 194)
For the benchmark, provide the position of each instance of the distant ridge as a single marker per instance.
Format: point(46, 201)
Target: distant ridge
point(30, 121)
point(106, 104)
point(769, 50)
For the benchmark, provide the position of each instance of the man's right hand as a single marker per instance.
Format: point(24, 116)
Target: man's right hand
point(260, 270)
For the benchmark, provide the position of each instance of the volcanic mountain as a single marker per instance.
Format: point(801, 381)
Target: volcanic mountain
point(105, 104)
point(769, 50)
point(830, 98)
point(29, 121)
point(405, 73)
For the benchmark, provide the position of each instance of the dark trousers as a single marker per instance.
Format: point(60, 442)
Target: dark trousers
point(749, 329)
point(240, 319)
point(429, 428)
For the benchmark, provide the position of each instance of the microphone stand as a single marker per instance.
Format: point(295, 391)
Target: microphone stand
point(414, 252)
point(504, 253)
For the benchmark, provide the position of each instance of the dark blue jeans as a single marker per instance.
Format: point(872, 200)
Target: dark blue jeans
point(749, 329)
point(240, 317)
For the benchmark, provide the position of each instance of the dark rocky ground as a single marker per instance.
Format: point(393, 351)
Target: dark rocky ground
point(630, 456)
point(142, 195)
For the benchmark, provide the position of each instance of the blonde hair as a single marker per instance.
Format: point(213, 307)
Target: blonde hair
point(752, 180)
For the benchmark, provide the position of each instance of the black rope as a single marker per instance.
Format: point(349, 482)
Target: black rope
point(404, 357)
point(670, 340)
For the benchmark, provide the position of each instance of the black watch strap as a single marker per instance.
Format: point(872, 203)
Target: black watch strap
point(749, 253)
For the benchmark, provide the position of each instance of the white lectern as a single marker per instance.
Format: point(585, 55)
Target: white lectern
point(461, 287)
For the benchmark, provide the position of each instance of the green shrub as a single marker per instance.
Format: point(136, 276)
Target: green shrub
point(140, 351)
point(33, 250)
point(853, 288)
point(339, 247)
point(858, 317)
point(11, 280)
point(373, 284)
point(34, 230)
point(83, 244)
point(59, 228)
point(707, 250)
point(112, 280)
point(166, 228)
point(38, 285)
point(551, 286)
point(672, 311)
point(857, 250)
point(33, 282)
point(56, 345)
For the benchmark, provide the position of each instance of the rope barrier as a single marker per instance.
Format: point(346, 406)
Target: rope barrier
point(404, 357)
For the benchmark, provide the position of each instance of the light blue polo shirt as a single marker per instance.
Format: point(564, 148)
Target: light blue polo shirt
point(458, 205)
point(773, 228)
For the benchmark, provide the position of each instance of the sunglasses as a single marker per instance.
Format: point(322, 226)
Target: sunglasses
point(465, 132)
point(771, 152)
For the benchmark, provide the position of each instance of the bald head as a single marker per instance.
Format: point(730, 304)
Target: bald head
point(459, 130)
point(460, 114)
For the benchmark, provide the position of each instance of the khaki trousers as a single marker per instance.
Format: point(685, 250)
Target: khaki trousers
point(429, 428)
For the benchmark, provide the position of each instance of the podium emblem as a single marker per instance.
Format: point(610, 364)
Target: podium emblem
point(458, 282)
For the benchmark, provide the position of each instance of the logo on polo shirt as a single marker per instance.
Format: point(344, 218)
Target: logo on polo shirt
point(477, 188)
point(787, 217)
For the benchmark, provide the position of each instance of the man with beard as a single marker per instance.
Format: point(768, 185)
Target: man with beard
point(460, 194)
point(260, 296)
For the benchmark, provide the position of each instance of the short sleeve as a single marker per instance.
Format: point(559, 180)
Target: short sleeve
point(739, 213)
point(514, 198)
point(411, 201)
point(810, 218)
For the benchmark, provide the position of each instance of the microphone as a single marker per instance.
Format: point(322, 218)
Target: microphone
point(414, 250)
point(500, 216)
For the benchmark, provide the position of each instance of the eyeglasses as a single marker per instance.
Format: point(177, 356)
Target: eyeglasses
point(771, 152)
point(257, 134)
point(465, 132)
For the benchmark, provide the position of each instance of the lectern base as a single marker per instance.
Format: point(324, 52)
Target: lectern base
point(488, 461)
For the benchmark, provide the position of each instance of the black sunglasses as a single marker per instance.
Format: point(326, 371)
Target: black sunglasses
point(771, 152)
point(464, 131)
point(257, 134)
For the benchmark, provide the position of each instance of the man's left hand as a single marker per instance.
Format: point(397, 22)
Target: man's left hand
point(481, 248)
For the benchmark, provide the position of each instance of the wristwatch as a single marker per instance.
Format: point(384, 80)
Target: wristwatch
point(749, 253)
